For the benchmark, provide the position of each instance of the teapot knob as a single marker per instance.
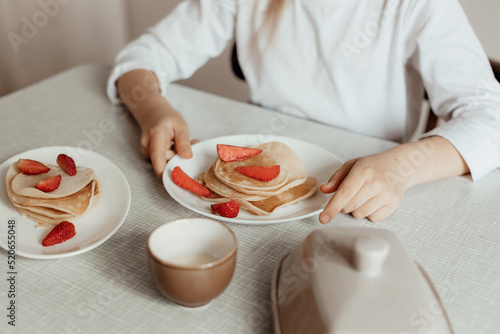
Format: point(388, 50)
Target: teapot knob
point(370, 254)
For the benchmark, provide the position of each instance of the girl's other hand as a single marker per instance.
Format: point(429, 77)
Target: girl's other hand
point(373, 186)
point(364, 188)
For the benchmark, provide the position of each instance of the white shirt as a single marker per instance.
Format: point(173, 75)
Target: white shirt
point(361, 65)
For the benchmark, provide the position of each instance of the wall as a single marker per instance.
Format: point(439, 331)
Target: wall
point(484, 16)
point(43, 37)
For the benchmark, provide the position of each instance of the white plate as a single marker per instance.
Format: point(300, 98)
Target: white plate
point(92, 229)
point(319, 163)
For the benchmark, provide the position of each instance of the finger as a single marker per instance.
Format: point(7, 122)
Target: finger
point(365, 194)
point(182, 142)
point(369, 207)
point(382, 213)
point(169, 154)
point(337, 177)
point(347, 190)
point(145, 145)
point(159, 144)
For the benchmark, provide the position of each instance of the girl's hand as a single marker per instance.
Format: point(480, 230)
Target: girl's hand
point(164, 130)
point(372, 187)
point(365, 188)
point(164, 133)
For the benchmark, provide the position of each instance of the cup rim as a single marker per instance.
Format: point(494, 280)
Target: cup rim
point(213, 264)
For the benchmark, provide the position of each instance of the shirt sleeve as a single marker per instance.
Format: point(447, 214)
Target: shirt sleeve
point(195, 31)
point(459, 81)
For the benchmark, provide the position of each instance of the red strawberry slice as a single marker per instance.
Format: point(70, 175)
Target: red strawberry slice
point(31, 167)
point(228, 209)
point(49, 184)
point(63, 231)
point(261, 173)
point(67, 164)
point(234, 153)
point(183, 180)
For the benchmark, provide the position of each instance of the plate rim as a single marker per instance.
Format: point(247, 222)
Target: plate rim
point(84, 152)
point(166, 178)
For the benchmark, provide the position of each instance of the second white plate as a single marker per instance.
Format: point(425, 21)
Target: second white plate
point(319, 163)
point(92, 229)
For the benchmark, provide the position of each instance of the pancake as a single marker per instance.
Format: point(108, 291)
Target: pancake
point(273, 153)
point(214, 197)
point(24, 185)
point(48, 212)
point(291, 196)
point(45, 210)
point(41, 219)
point(295, 168)
point(256, 196)
point(214, 184)
point(76, 204)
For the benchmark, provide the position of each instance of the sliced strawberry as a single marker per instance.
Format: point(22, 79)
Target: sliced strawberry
point(61, 232)
point(67, 164)
point(261, 173)
point(228, 209)
point(31, 167)
point(49, 184)
point(185, 181)
point(233, 153)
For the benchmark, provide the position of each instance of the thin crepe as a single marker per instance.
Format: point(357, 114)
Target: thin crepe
point(214, 184)
point(291, 196)
point(296, 171)
point(24, 185)
point(50, 211)
point(261, 201)
point(273, 153)
point(268, 205)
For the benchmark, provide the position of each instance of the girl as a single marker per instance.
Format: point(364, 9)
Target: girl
point(361, 65)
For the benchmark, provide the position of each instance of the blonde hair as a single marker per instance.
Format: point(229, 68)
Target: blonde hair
point(266, 29)
point(269, 25)
point(273, 13)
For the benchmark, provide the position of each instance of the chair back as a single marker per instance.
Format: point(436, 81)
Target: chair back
point(235, 64)
point(496, 69)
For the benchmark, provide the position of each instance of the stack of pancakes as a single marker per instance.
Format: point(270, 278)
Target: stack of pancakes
point(74, 197)
point(260, 197)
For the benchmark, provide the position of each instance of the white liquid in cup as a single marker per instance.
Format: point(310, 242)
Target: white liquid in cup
point(192, 259)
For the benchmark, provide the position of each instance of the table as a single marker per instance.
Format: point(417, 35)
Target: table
point(451, 227)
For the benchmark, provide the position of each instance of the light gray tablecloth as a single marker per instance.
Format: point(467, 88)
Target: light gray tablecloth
point(451, 227)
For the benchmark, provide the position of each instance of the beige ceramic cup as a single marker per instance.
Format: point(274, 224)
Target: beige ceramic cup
point(192, 260)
